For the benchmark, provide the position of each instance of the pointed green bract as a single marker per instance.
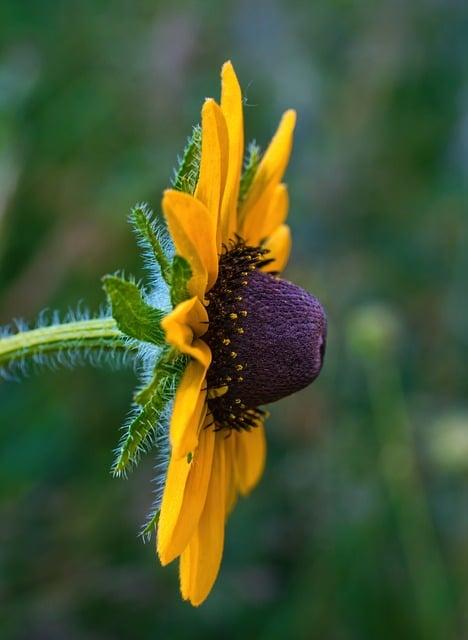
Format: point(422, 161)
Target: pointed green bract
point(142, 220)
point(170, 363)
point(181, 274)
point(251, 163)
point(150, 524)
point(186, 175)
point(141, 432)
point(134, 317)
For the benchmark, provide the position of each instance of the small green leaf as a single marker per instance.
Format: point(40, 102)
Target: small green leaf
point(186, 174)
point(181, 274)
point(134, 317)
point(141, 218)
point(251, 163)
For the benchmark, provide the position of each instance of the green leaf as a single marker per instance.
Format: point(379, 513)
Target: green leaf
point(181, 274)
point(186, 174)
point(251, 163)
point(134, 317)
point(141, 217)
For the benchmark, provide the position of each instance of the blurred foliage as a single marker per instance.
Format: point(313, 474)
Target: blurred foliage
point(359, 528)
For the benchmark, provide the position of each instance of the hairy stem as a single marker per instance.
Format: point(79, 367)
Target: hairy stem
point(97, 333)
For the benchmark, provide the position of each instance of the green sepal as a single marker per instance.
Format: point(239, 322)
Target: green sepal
point(152, 398)
point(170, 363)
point(186, 175)
point(252, 160)
point(141, 431)
point(181, 274)
point(150, 525)
point(141, 219)
point(134, 317)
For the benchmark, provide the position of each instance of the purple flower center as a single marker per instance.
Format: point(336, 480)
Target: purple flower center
point(267, 338)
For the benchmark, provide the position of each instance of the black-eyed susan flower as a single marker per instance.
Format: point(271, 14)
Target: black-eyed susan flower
point(217, 334)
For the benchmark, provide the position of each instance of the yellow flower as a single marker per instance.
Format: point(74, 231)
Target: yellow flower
point(235, 248)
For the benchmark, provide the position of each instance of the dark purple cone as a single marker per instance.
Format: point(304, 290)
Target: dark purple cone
point(268, 340)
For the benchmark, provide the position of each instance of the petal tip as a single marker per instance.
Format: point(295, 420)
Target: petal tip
point(290, 116)
point(209, 107)
point(164, 559)
point(227, 66)
point(169, 194)
point(229, 76)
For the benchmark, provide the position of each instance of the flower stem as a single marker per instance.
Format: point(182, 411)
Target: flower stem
point(94, 334)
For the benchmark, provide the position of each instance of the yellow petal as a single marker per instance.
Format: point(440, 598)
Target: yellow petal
point(231, 106)
point(193, 230)
point(261, 224)
point(279, 246)
point(196, 488)
point(231, 474)
point(177, 474)
point(201, 560)
point(269, 173)
point(250, 457)
point(185, 566)
point(189, 409)
point(214, 158)
point(183, 325)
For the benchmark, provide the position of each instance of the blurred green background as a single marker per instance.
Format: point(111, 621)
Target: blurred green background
point(359, 528)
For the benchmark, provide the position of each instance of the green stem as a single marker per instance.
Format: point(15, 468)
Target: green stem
point(97, 333)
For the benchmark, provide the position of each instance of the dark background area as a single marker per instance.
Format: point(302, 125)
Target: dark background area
point(359, 528)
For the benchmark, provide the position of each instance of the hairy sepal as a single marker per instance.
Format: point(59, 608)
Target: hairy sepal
point(181, 274)
point(140, 434)
point(186, 174)
point(251, 162)
point(153, 236)
point(133, 315)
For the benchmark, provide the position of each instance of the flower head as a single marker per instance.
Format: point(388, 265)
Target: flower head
point(219, 334)
point(250, 337)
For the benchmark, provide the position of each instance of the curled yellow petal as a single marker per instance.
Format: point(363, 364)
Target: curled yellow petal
point(214, 158)
point(269, 173)
point(250, 457)
point(261, 224)
point(279, 247)
point(189, 409)
point(183, 325)
point(196, 487)
point(193, 230)
point(231, 106)
point(201, 560)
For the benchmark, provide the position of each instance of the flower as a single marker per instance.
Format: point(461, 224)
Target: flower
point(250, 337)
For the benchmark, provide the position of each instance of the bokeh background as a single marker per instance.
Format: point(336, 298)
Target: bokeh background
point(359, 529)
